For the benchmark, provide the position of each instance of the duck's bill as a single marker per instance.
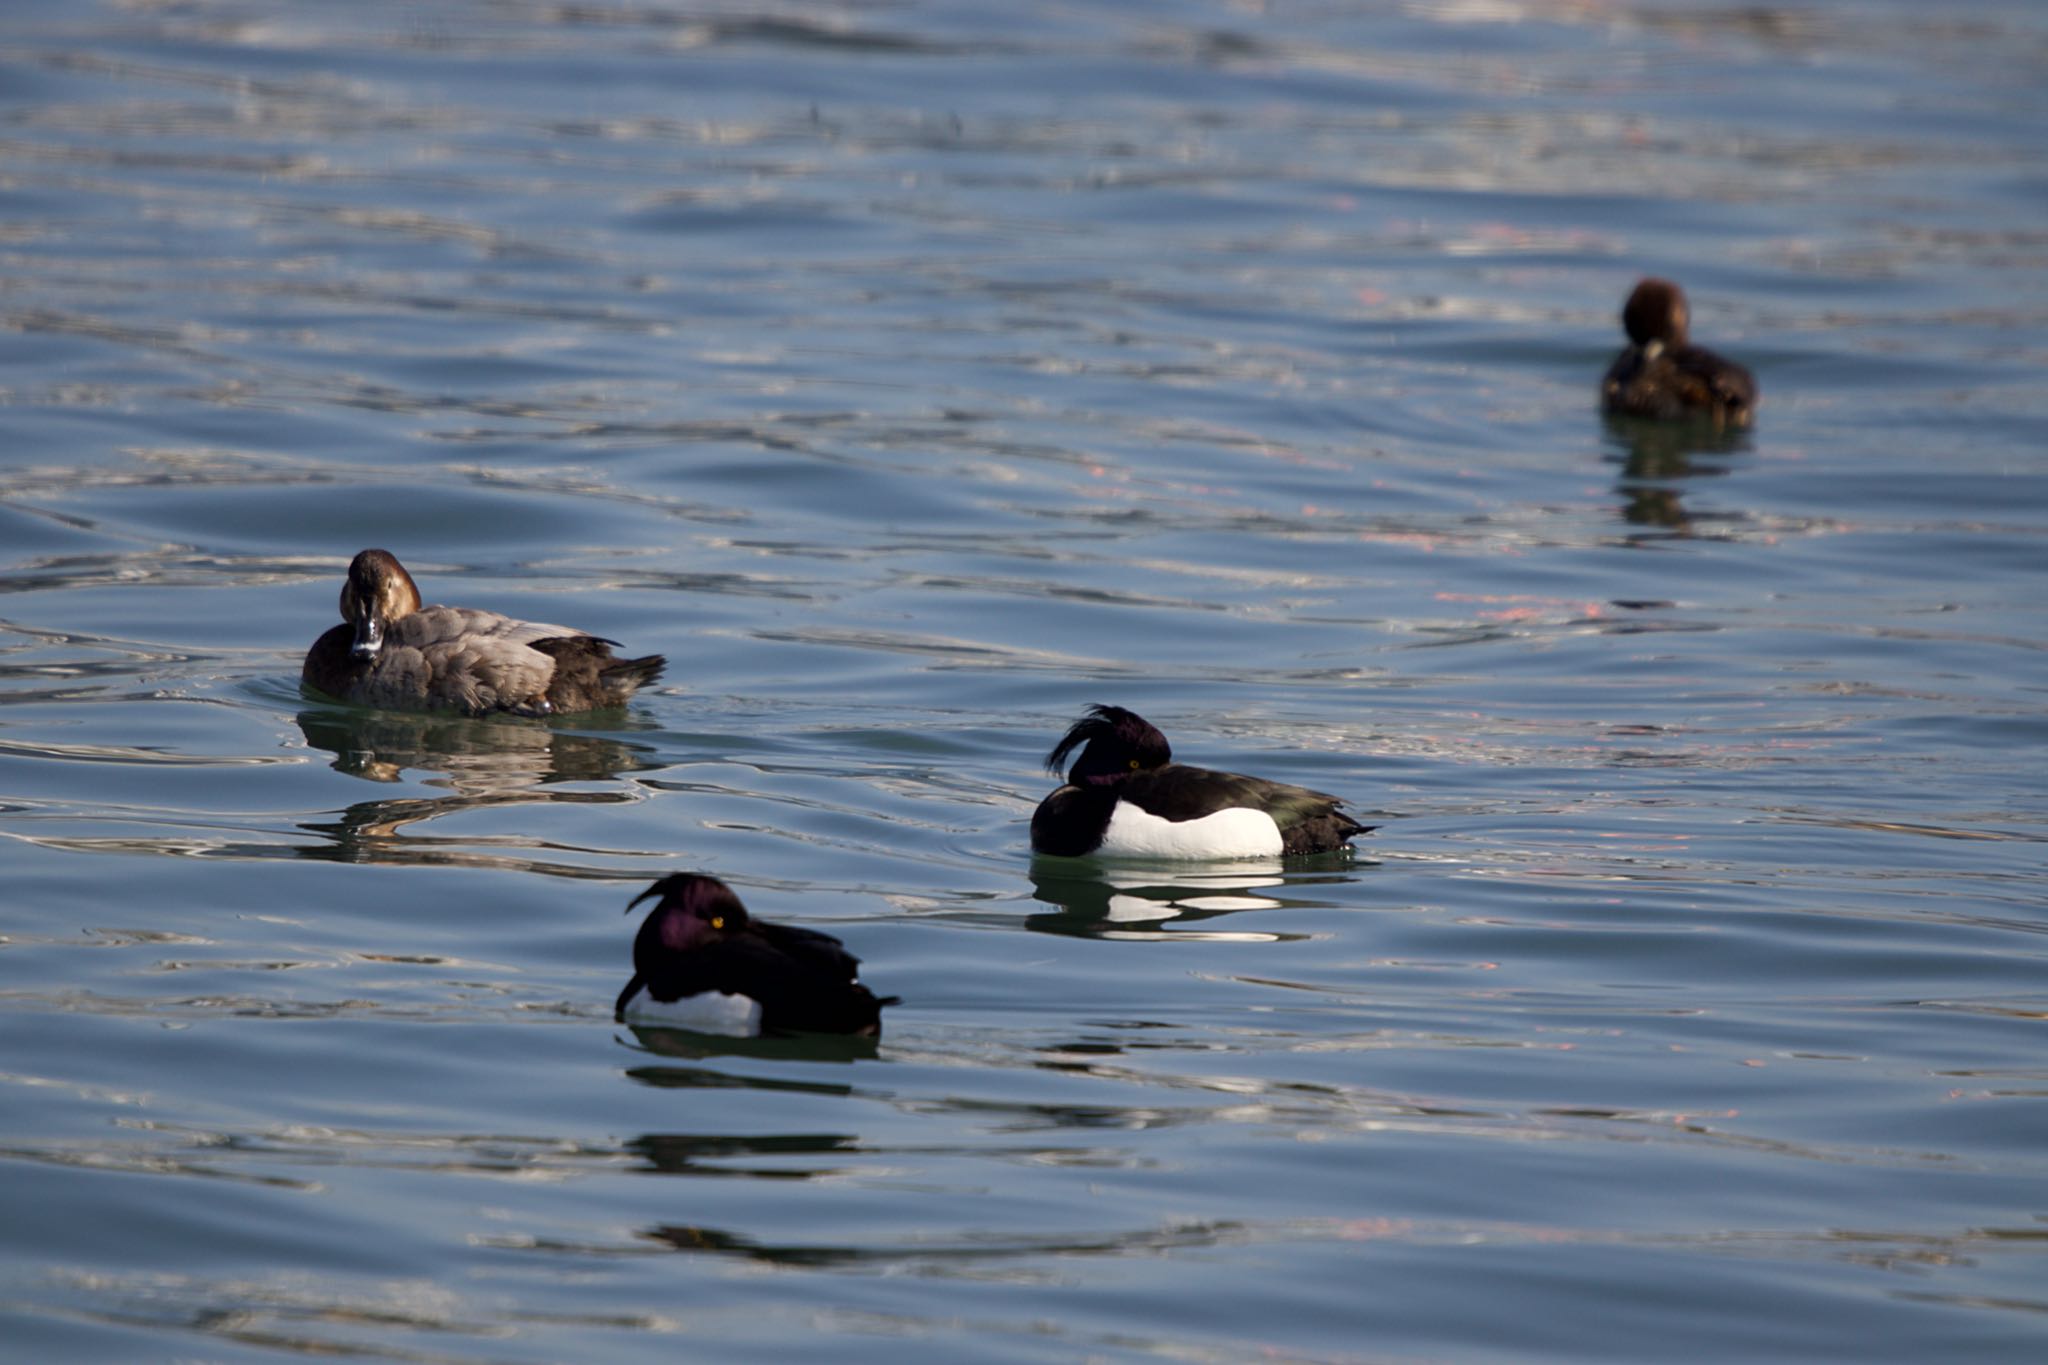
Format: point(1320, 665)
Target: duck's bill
point(369, 638)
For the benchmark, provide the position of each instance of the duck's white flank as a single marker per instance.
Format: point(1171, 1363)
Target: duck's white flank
point(1241, 833)
point(735, 1016)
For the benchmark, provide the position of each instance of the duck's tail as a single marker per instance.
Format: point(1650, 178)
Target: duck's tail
point(621, 678)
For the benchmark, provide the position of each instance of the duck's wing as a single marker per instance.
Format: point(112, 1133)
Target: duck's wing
point(1180, 792)
point(1309, 821)
point(1717, 380)
point(816, 951)
point(734, 966)
point(475, 661)
point(803, 980)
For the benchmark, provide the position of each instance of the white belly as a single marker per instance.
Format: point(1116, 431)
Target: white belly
point(1226, 834)
point(735, 1016)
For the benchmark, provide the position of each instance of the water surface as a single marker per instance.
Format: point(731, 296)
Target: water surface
point(912, 376)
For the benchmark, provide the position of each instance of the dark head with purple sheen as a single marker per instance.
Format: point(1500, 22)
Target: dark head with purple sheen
point(1657, 311)
point(692, 909)
point(1118, 743)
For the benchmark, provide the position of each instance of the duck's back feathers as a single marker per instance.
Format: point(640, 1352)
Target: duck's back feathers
point(1687, 381)
point(1179, 791)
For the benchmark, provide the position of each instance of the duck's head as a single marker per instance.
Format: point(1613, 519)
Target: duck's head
point(376, 592)
point(1657, 311)
point(690, 909)
point(1118, 743)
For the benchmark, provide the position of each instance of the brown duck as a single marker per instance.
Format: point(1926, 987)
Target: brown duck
point(392, 652)
point(1663, 375)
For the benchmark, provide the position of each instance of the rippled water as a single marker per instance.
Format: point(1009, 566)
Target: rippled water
point(913, 375)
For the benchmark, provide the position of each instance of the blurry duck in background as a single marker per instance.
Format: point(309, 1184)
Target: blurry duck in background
point(701, 962)
point(392, 652)
point(1125, 796)
point(1663, 375)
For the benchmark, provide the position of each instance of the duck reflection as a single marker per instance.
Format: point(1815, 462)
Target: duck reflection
point(687, 1045)
point(688, 1237)
point(1156, 901)
point(713, 1154)
point(483, 763)
point(479, 756)
point(1656, 457)
point(962, 1249)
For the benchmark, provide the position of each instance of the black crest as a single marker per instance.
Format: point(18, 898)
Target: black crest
point(693, 893)
point(1117, 741)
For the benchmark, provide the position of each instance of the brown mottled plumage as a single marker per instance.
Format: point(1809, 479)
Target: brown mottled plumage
point(1663, 375)
point(392, 652)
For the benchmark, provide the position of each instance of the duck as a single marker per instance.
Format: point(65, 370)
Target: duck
point(701, 962)
point(391, 652)
point(1126, 797)
point(1661, 374)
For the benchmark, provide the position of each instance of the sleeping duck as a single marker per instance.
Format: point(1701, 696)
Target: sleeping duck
point(1126, 796)
point(392, 652)
point(700, 962)
point(1663, 375)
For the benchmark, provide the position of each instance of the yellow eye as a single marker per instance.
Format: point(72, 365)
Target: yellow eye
point(718, 921)
point(1134, 763)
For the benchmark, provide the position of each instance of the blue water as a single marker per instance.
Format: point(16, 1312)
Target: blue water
point(912, 376)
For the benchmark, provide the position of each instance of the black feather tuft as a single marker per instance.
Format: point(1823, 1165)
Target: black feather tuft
point(1116, 727)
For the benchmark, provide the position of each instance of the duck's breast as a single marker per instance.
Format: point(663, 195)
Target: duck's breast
point(1069, 823)
point(397, 680)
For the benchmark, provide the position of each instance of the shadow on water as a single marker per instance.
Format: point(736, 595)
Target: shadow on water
point(1117, 900)
point(1656, 460)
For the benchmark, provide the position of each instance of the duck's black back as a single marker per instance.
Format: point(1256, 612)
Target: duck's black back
point(802, 979)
